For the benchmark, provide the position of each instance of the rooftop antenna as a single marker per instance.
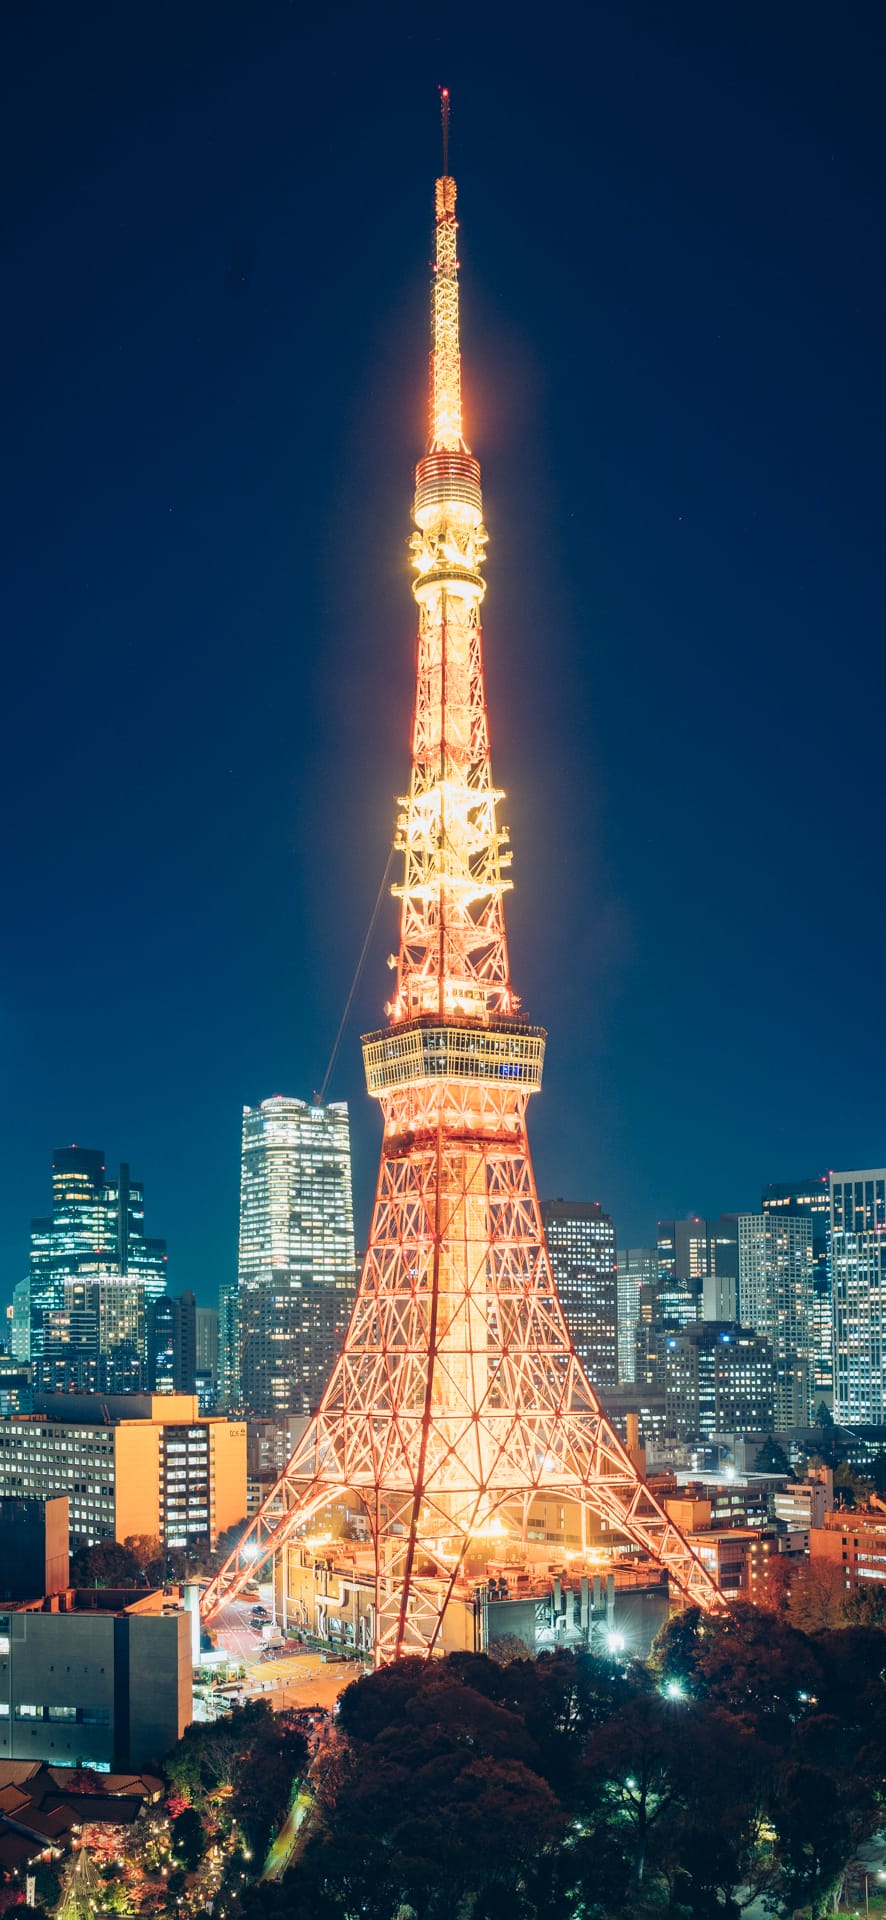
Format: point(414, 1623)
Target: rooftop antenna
point(444, 115)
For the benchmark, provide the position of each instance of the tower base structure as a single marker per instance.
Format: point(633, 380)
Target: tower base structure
point(458, 1400)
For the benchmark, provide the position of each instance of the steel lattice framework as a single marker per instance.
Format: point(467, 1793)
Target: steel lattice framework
point(458, 1396)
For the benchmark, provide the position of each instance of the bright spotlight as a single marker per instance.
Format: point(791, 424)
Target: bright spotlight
point(615, 1642)
point(674, 1690)
point(250, 1551)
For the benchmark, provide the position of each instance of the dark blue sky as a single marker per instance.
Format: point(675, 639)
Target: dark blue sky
point(215, 254)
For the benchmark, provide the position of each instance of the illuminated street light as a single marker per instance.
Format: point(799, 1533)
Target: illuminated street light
point(674, 1690)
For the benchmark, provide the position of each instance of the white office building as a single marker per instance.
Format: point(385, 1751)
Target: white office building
point(297, 1267)
point(775, 1276)
point(858, 1265)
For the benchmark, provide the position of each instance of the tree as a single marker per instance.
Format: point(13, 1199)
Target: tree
point(227, 1541)
point(817, 1592)
point(507, 1647)
point(106, 1565)
point(851, 1489)
point(188, 1840)
point(266, 1777)
point(47, 1884)
point(147, 1550)
point(440, 1764)
point(637, 1760)
point(757, 1667)
point(813, 1839)
point(864, 1606)
point(772, 1458)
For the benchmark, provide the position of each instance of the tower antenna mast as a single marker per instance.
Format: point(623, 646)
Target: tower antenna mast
point(444, 116)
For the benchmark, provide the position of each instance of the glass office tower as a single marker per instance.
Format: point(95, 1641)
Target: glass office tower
point(297, 1268)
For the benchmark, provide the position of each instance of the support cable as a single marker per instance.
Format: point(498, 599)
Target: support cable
point(359, 969)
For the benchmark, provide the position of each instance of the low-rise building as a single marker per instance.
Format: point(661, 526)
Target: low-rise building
point(33, 1547)
point(738, 1557)
point(94, 1678)
point(803, 1504)
point(855, 1542)
point(129, 1464)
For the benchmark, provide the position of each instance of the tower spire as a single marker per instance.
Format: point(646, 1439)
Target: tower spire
point(445, 430)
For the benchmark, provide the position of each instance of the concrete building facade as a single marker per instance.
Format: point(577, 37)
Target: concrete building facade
point(140, 1463)
point(97, 1679)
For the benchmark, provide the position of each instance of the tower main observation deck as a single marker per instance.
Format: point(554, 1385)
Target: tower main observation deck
point(458, 1398)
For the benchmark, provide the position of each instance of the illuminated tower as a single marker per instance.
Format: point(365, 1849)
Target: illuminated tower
point(458, 1396)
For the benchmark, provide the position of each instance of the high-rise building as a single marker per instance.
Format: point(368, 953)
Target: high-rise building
point(812, 1200)
point(637, 1267)
point(160, 1360)
point(297, 1265)
point(581, 1243)
point(719, 1288)
point(229, 1394)
point(718, 1379)
point(858, 1260)
point(137, 1255)
point(701, 1256)
point(775, 1297)
point(172, 1344)
point(20, 1330)
point(93, 1237)
point(683, 1251)
point(207, 1341)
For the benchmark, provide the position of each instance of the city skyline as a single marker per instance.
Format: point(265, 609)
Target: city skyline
point(698, 525)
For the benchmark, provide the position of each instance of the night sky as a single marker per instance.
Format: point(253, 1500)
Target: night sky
point(216, 237)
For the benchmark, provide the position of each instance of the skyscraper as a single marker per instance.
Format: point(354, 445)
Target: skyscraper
point(718, 1379)
point(297, 1265)
point(637, 1267)
point(775, 1295)
point(207, 1341)
point(701, 1256)
point(719, 1288)
point(812, 1200)
point(581, 1243)
point(172, 1344)
point(229, 1394)
point(683, 1251)
point(94, 1237)
point(20, 1332)
point(858, 1256)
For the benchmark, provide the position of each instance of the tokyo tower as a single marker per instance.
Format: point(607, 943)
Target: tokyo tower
point(458, 1397)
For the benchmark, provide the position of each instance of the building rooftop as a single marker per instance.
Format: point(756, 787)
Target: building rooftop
point(116, 1600)
point(42, 1808)
point(117, 1409)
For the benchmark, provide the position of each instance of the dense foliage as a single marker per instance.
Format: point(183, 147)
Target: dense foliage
point(745, 1762)
point(253, 1758)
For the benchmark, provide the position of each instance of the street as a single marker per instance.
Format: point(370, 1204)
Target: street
point(301, 1679)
